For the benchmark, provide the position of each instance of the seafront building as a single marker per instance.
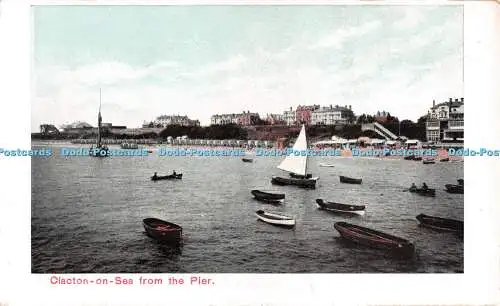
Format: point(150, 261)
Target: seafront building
point(303, 113)
point(166, 120)
point(274, 119)
point(289, 117)
point(245, 118)
point(332, 115)
point(445, 121)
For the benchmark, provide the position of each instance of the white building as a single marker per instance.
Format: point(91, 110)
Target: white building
point(331, 115)
point(289, 116)
point(166, 120)
point(224, 119)
point(445, 121)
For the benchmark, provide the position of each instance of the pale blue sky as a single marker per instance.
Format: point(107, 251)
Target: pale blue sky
point(202, 60)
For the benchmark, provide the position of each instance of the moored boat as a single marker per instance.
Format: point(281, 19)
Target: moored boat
point(451, 188)
point(373, 238)
point(268, 196)
point(340, 208)
point(163, 231)
point(296, 165)
point(446, 159)
point(439, 223)
point(417, 158)
point(348, 180)
point(247, 160)
point(177, 176)
point(275, 219)
point(326, 165)
point(304, 183)
point(428, 161)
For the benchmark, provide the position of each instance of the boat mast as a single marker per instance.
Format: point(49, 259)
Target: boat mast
point(99, 119)
point(307, 148)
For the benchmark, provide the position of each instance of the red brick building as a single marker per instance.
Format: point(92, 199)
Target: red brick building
point(304, 113)
point(248, 118)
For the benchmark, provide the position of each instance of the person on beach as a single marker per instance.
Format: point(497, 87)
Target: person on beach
point(424, 186)
point(154, 175)
point(174, 172)
point(413, 186)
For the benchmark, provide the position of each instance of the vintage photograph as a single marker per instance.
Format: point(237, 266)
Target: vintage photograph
point(247, 139)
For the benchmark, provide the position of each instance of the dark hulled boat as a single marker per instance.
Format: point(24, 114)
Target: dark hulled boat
point(409, 157)
point(163, 231)
point(428, 161)
point(429, 192)
point(177, 176)
point(296, 166)
point(446, 159)
point(373, 238)
point(341, 208)
point(444, 224)
point(458, 189)
point(348, 180)
point(268, 196)
point(247, 160)
point(304, 183)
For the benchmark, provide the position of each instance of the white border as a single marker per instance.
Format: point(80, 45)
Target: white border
point(478, 285)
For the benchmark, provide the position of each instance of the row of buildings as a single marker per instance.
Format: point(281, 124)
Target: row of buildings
point(444, 123)
point(309, 114)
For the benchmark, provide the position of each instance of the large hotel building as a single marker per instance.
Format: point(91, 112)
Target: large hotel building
point(445, 121)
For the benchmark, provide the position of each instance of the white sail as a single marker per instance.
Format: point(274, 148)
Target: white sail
point(296, 164)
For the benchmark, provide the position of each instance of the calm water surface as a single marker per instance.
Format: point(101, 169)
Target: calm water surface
point(87, 216)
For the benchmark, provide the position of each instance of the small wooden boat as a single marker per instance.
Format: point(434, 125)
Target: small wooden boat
point(268, 196)
point(275, 219)
point(247, 160)
point(417, 158)
point(429, 192)
point(309, 183)
point(458, 189)
point(409, 157)
point(348, 180)
point(428, 161)
point(441, 223)
point(447, 159)
point(326, 165)
point(163, 231)
point(177, 176)
point(373, 238)
point(341, 208)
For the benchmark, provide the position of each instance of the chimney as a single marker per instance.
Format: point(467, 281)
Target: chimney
point(331, 106)
point(350, 107)
point(433, 103)
point(462, 100)
point(456, 99)
point(451, 100)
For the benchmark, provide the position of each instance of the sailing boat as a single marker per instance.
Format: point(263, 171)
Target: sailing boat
point(99, 150)
point(296, 166)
